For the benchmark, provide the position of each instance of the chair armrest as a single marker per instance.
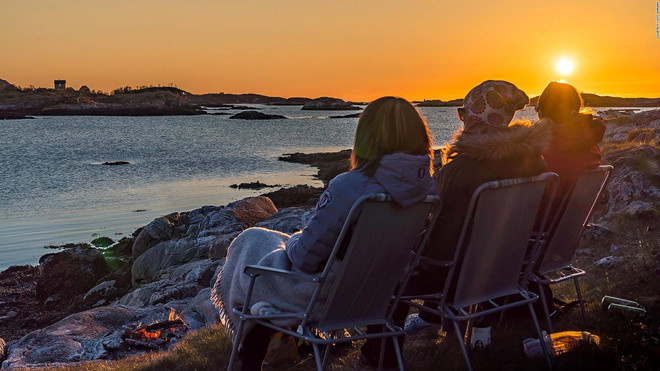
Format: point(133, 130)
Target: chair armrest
point(257, 270)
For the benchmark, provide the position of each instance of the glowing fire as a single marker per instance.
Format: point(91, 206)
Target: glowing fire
point(150, 335)
point(173, 316)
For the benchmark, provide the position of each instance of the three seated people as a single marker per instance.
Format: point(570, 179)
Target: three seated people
point(393, 154)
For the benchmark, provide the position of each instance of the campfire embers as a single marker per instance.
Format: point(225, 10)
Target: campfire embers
point(157, 334)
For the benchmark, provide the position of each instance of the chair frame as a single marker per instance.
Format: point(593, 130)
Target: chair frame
point(567, 271)
point(469, 312)
point(307, 329)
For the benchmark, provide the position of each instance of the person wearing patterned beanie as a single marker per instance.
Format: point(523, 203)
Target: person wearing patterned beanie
point(489, 147)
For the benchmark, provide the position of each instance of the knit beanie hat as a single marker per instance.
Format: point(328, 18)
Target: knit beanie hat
point(493, 102)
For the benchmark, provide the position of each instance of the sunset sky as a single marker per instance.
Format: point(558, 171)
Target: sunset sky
point(357, 50)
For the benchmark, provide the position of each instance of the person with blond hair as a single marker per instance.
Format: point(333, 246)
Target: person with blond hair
point(391, 154)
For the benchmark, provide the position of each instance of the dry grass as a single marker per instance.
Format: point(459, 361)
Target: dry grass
point(618, 146)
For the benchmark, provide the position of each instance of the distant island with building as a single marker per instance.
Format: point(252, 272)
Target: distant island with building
point(17, 102)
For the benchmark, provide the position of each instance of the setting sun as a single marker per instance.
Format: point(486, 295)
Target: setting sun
point(565, 66)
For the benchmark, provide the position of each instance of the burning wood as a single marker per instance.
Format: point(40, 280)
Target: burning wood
point(157, 334)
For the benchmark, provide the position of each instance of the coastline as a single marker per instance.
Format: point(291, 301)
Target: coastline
point(173, 261)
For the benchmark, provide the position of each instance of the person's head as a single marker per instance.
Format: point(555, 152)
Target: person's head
point(491, 105)
point(389, 125)
point(487, 109)
point(560, 102)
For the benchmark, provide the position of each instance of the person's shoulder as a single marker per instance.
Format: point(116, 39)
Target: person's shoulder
point(348, 178)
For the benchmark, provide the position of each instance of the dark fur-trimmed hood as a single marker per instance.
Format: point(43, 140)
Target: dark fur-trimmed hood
point(520, 139)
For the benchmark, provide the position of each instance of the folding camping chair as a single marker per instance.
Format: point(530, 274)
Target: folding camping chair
point(558, 244)
point(383, 245)
point(488, 260)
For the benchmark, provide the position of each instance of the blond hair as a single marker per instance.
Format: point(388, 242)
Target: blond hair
point(389, 125)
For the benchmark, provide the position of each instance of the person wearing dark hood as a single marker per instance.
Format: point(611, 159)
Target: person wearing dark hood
point(489, 147)
point(392, 154)
point(574, 145)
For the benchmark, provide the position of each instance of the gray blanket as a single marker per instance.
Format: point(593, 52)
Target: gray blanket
point(271, 294)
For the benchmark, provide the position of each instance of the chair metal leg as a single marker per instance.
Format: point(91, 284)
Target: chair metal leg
point(326, 356)
point(462, 345)
point(544, 302)
point(499, 322)
point(317, 357)
point(582, 308)
point(234, 350)
point(397, 350)
point(381, 355)
point(470, 324)
point(540, 334)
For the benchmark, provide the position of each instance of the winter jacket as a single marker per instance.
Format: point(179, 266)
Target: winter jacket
point(509, 153)
point(405, 177)
point(574, 148)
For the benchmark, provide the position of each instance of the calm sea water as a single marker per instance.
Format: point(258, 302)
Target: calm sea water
point(53, 189)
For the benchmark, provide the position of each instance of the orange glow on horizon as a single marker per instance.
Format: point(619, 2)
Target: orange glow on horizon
point(352, 50)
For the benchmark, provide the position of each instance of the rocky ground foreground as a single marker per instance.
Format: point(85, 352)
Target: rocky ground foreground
point(85, 304)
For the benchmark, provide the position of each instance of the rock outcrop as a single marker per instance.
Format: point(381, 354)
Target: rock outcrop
point(161, 229)
point(70, 272)
point(253, 185)
point(330, 164)
point(255, 115)
point(632, 188)
point(202, 234)
point(329, 104)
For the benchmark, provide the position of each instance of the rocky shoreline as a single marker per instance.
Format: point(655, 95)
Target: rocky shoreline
point(83, 303)
point(17, 103)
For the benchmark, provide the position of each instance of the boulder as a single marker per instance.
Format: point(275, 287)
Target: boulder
point(236, 217)
point(198, 272)
point(174, 292)
point(101, 294)
point(102, 241)
point(253, 185)
point(156, 292)
point(289, 220)
point(300, 195)
point(158, 260)
point(203, 305)
point(160, 229)
point(70, 272)
point(253, 209)
point(218, 249)
point(608, 261)
point(641, 210)
point(594, 231)
point(181, 260)
point(255, 115)
point(114, 163)
point(632, 179)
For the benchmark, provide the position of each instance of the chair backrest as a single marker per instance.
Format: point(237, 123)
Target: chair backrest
point(492, 246)
point(381, 249)
point(568, 225)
